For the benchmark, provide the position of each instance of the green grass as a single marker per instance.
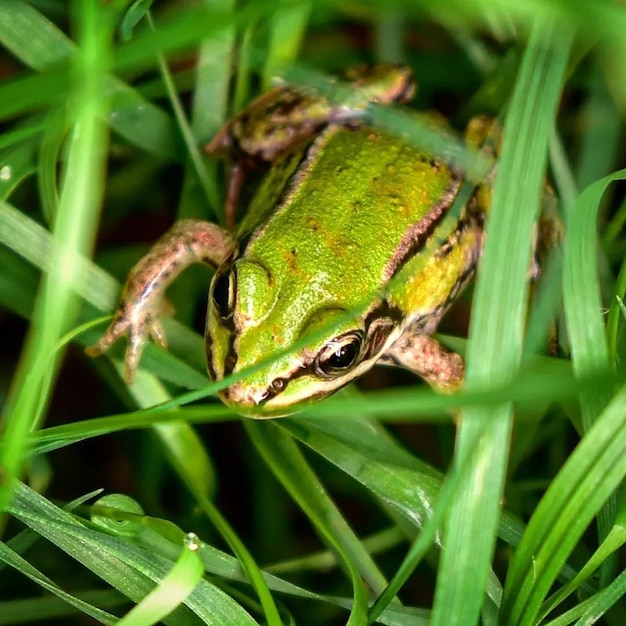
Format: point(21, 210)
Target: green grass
point(374, 504)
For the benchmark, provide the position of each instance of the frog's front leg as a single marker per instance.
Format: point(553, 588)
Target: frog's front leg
point(143, 302)
point(425, 356)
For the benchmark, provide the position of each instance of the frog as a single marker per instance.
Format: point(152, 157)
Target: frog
point(349, 254)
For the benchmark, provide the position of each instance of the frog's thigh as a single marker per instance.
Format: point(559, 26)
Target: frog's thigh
point(426, 357)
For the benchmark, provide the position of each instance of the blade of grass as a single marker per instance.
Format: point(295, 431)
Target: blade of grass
point(289, 466)
point(615, 314)
point(286, 31)
point(31, 610)
point(31, 37)
point(604, 600)
point(195, 164)
point(583, 314)
point(190, 26)
point(581, 294)
point(245, 63)
point(35, 244)
point(130, 569)
point(16, 164)
point(74, 232)
point(164, 538)
point(171, 591)
point(49, 157)
point(497, 327)
point(188, 456)
point(591, 609)
point(22, 566)
point(602, 138)
point(246, 561)
point(364, 451)
point(615, 540)
point(590, 476)
point(209, 111)
point(424, 541)
point(41, 45)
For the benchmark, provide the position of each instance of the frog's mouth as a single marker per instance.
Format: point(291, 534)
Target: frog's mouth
point(252, 402)
point(265, 403)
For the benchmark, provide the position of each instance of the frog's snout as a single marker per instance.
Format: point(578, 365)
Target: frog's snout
point(252, 401)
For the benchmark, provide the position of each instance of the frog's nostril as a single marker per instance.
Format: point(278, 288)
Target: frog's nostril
point(278, 384)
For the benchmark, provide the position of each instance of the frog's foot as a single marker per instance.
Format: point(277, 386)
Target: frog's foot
point(484, 133)
point(425, 356)
point(136, 322)
point(143, 301)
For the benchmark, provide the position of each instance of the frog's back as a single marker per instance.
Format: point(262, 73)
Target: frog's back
point(357, 203)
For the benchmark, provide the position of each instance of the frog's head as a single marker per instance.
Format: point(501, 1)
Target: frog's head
point(292, 347)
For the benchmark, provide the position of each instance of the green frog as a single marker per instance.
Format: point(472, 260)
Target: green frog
point(349, 253)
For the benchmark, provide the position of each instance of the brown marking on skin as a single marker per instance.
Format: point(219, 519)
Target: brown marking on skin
point(415, 238)
point(292, 261)
point(231, 357)
point(208, 348)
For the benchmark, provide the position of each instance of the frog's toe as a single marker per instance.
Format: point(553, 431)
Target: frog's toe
point(136, 323)
point(138, 330)
point(119, 327)
point(157, 332)
point(136, 343)
point(115, 330)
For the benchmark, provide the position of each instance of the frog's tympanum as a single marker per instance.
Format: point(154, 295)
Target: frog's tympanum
point(339, 262)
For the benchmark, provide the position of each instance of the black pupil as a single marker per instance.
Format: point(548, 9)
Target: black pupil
point(221, 294)
point(344, 355)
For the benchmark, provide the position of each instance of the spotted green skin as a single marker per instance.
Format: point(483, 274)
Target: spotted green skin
point(352, 234)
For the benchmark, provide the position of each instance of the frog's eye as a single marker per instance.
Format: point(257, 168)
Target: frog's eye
point(339, 355)
point(223, 293)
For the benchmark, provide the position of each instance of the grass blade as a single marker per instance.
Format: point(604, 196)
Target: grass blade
point(74, 231)
point(496, 336)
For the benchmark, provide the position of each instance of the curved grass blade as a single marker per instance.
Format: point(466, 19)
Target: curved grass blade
point(590, 476)
point(581, 294)
point(22, 566)
point(129, 568)
point(171, 591)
